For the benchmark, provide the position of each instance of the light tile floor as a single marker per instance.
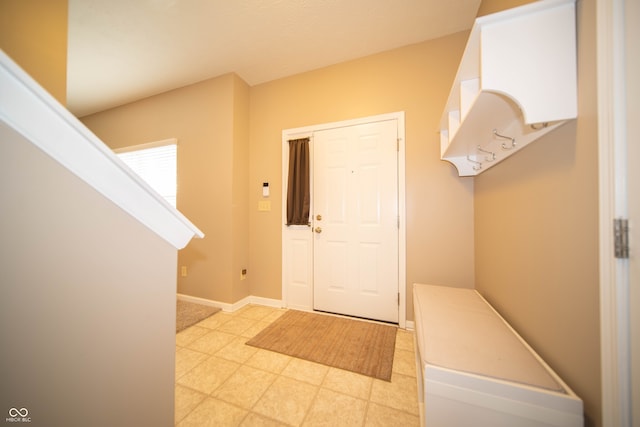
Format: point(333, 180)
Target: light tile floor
point(220, 381)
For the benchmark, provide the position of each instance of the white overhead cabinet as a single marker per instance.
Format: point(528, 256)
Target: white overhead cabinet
point(515, 83)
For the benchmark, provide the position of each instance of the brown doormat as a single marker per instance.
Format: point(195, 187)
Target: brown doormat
point(354, 345)
point(188, 313)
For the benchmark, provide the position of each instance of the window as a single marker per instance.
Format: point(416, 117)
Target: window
point(156, 164)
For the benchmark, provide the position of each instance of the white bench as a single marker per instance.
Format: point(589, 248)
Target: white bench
point(475, 370)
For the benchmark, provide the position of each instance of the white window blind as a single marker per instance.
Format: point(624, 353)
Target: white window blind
point(156, 164)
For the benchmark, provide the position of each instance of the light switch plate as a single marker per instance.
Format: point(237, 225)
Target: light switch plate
point(264, 205)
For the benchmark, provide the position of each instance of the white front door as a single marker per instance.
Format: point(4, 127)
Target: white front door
point(355, 220)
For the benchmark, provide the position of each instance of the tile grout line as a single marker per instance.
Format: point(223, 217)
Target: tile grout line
point(317, 387)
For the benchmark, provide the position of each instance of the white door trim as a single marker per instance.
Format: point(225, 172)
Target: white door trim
point(288, 233)
point(614, 273)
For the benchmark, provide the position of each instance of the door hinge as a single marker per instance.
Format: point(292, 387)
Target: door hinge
point(621, 238)
point(398, 144)
point(398, 298)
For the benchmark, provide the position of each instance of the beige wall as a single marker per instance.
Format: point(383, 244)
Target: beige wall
point(240, 191)
point(210, 121)
point(34, 34)
point(88, 301)
point(492, 6)
point(536, 227)
point(415, 79)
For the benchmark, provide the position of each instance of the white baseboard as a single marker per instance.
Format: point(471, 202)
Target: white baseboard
point(409, 325)
point(251, 299)
point(230, 308)
point(276, 303)
point(197, 300)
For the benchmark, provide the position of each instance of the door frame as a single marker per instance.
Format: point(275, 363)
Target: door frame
point(301, 236)
point(615, 314)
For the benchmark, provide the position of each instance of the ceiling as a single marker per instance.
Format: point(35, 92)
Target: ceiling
point(123, 50)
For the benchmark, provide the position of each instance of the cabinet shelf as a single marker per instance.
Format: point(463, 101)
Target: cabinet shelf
point(515, 83)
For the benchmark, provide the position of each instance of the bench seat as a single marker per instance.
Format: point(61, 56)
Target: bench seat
point(474, 369)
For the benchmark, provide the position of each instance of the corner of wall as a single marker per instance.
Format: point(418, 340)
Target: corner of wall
point(241, 284)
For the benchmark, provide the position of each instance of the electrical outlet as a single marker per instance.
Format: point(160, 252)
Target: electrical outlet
point(243, 274)
point(183, 271)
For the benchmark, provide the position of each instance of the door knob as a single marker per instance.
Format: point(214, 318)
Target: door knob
point(318, 230)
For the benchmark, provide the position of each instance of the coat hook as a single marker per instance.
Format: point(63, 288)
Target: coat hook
point(491, 153)
point(477, 165)
point(504, 146)
point(538, 126)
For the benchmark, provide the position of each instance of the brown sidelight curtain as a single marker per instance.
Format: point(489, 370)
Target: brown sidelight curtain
point(298, 191)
